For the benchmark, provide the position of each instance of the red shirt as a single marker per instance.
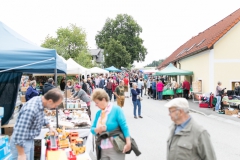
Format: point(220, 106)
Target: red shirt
point(114, 86)
point(186, 85)
point(125, 81)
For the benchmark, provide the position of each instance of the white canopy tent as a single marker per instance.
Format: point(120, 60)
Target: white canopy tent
point(97, 70)
point(148, 71)
point(73, 68)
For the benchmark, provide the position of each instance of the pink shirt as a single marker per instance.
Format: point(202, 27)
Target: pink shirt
point(160, 86)
point(106, 143)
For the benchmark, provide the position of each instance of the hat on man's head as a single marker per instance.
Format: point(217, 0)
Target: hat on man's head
point(177, 102)
point(77, 86)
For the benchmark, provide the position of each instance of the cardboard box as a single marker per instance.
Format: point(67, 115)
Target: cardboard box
point(53, 155)
point(24, 89)
point(22, 98)
point(8, 129)
point(67, 93)
point(228, 112)
point(197, 96)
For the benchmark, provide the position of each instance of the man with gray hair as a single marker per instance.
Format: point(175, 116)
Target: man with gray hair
point(48, 86)
point(29, 123)
point(187, 139)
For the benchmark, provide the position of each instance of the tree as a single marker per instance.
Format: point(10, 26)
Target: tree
point(118, 55)
point(70, 42)
point(125, 32)
point(155, 63)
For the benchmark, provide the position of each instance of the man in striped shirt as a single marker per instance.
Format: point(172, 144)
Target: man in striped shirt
point(29, 123)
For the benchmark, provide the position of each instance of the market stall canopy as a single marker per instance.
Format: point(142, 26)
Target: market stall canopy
point(20, 55)
point(17, 56)
point(171, 70)
point(112, 69)
point(74, 68)
point(98, 70)
point(51, 74)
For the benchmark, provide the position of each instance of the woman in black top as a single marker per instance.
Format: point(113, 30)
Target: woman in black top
point(84, 86)
point(62, 84)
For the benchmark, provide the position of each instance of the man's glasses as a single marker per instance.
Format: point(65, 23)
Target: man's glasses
point(172, 111)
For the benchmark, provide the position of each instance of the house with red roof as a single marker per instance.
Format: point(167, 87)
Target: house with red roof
point(213, 55)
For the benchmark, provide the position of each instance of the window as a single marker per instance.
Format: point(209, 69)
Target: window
point(191, 47)
point(200, 42)
point(182, 52)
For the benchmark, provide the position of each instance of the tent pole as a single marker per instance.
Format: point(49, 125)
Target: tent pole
point(55, 77)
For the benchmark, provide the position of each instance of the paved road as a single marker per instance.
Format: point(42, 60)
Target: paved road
point(152, 131)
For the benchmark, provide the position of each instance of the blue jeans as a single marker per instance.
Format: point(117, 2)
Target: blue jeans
point(136, 104)
point(141, 91)
point(218, 104)
point(28, 146)
point(154, 93)
point(160, 95)
point(109, 92)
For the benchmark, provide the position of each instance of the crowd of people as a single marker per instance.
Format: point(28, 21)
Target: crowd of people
point(116, 86)
point(113, 139)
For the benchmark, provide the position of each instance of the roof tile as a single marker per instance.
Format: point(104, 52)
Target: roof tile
point(211, 36)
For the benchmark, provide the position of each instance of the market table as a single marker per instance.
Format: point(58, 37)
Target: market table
point(77, 117)
point(168, 92)
point(179, 91)
point(83, 133)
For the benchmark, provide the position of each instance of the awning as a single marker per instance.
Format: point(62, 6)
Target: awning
point(112, 69)
point(171, 70)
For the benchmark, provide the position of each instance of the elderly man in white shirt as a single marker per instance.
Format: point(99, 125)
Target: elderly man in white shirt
point(97, 80)
point(140, 84)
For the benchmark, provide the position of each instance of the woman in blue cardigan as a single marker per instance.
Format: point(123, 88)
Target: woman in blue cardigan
point(31, 91)
point(109, 118)
point(136, 100)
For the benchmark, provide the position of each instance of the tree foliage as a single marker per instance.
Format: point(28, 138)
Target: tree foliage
point(70, 42)
point(125, 32)
point(118, 55)
point(155, 63)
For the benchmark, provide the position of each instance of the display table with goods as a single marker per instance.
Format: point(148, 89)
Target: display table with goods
point(74, 139)
point(233, 102)
point(168, 92)
point(74, 104)
point(179, 91)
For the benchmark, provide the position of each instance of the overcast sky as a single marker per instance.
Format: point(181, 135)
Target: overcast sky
point(166, 24)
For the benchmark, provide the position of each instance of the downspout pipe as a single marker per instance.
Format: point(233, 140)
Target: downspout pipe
point(179, 77)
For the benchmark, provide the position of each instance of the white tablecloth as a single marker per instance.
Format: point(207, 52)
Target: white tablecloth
point(82, 133)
